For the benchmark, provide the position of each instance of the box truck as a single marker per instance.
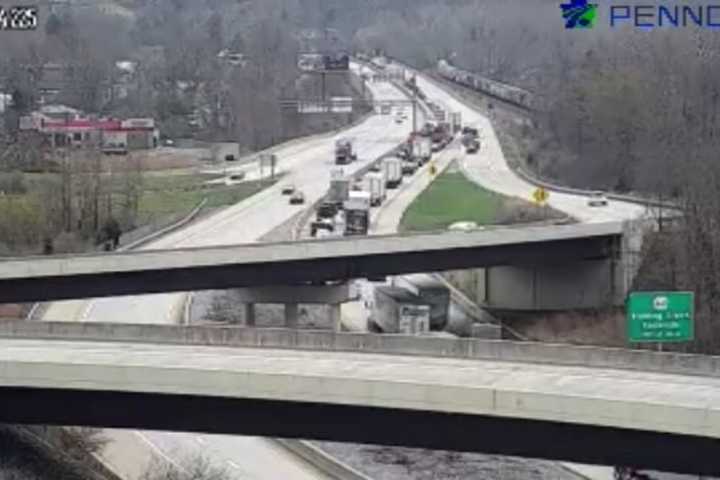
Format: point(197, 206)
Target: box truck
point(422, 149)
point(357, 213)
point(392, 168)
point(375, 185)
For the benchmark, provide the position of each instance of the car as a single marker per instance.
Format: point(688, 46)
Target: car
point(597, 199)
point(464, 227)
point(327, 210)
point(230, 157)
point(288, 189)
point(236, 177)
point(297, 198)
point(399, 120)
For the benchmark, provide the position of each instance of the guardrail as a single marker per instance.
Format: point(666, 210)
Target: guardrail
point(460, 348)
point(534, 180)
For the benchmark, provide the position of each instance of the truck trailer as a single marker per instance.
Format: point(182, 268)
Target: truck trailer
point(375, 184)
point(339, 188)
point(422, 149)
point(392, 168)
point(397, 310)
point(357, 213)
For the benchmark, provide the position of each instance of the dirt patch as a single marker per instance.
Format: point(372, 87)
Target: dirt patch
point(383, 463)
point(12, 311)
point(597, 327)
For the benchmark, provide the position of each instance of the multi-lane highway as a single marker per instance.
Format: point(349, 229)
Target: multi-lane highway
point(490, 169)
point(308, 165)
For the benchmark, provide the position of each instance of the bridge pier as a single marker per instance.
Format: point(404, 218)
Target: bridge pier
point(249, 314)
point(334, 316)
point(291, 315)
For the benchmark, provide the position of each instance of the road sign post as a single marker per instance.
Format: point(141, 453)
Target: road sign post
point(540, 196)
point(660, 317)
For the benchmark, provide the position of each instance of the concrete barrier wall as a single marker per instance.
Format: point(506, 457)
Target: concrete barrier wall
point(489, 350)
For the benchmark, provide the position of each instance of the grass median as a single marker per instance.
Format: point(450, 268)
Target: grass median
point(166, 196)
point(452, 198)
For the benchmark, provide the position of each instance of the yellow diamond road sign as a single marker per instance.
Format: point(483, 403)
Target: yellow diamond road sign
point(540, 195)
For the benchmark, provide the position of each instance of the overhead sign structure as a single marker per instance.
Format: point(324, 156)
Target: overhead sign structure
point(660, 316)
point(333, 105)
point(341, 104)
point(540, 195)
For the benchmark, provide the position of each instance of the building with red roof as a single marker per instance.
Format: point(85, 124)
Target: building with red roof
point(109, 134)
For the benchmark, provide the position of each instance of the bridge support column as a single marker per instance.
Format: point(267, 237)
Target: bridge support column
point(334, 316)
point(291, 315)
point(249, 314)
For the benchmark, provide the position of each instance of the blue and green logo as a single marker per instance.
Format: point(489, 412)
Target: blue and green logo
point(579, 14)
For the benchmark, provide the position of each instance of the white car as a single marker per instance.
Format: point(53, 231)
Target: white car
point(464, 227)
point(288, 189)
point(597, 199)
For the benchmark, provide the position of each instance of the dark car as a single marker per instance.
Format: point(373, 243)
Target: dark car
point(230, 157)
point(327, 210)
point(297, 198)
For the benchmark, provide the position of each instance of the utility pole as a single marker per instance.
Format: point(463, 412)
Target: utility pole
point(414, 113)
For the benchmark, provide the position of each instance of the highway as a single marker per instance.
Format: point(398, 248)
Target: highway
point(489, 167)
point(532, 385)
point(307, 165)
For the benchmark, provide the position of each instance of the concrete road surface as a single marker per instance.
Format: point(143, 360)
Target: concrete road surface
point(489, 167)
point(308, 166)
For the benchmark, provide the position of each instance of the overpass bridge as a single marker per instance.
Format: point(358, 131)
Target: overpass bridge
point(581, 404)
point(577, 261)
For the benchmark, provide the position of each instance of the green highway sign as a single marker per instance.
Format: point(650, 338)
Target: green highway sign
point(660, 316)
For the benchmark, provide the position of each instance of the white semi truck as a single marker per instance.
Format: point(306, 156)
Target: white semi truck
point(422, 149)
point(392, 168)
point(357, 213)
point(375, 185)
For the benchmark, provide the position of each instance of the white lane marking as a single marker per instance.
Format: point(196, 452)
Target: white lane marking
point(86, 311)
point(158, 451)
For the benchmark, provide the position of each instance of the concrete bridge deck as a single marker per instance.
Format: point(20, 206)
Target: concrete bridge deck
point(85, 276)
point(550, 401)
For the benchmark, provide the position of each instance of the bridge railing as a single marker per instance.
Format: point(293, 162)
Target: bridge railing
point(472, 349)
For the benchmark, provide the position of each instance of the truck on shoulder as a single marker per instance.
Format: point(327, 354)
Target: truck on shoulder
point(344, 153)
point(392, 169)
point(357, 213)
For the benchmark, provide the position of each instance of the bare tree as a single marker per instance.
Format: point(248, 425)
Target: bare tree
point(195, 467)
